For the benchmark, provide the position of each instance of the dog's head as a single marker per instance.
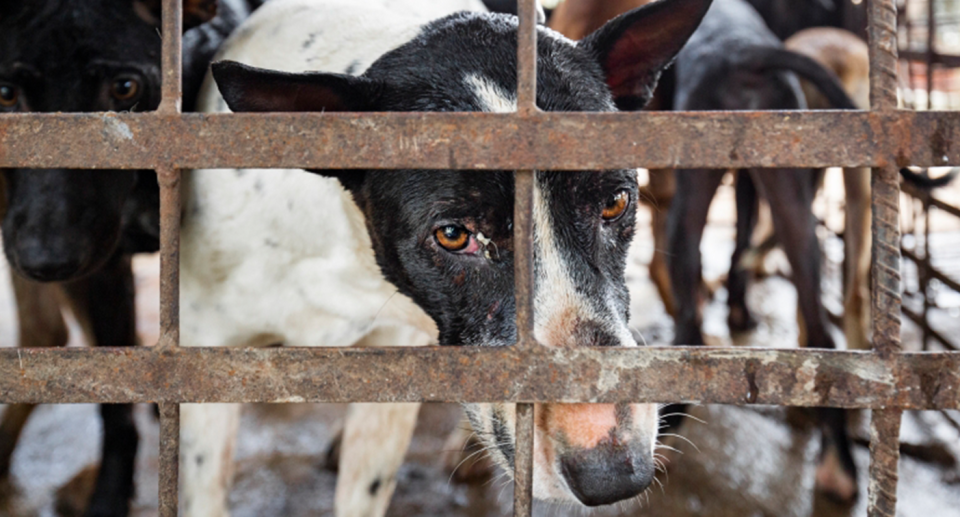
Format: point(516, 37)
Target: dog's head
point(444, 238)
point(79, 56)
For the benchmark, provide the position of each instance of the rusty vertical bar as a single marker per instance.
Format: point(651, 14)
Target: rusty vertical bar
point(523, 462)
point(523, 203)
point(925, 266)
point(169, 458)
point(884, 459)
point(882, 31)
point(169, 180)
point(171, 56)
point(885, 291)
point(886, 183)
point(527, 57)
point(931, 37)
point(523, 254)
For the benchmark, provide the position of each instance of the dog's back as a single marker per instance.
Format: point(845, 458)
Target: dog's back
point(713, 70)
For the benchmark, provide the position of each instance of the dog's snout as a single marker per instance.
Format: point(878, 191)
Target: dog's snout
point(47, 261)
point(610, 472)
point(592, 334)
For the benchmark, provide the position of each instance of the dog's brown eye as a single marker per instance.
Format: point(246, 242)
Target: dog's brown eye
point(125, 88)
point(452, 238)
point(9, 95)
point(616, 206)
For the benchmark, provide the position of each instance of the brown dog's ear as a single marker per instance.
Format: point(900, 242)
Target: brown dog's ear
point(195, 12)
point(635, 47)
point(246, 88)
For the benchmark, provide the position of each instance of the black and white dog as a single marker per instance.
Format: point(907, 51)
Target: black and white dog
point(315, 259)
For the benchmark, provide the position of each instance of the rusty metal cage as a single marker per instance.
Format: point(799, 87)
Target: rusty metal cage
point(933, 60)
point(884, 380)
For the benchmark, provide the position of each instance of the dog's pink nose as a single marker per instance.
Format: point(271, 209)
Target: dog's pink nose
point(610, 472)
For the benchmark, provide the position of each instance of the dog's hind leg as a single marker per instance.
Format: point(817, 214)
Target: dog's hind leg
point(103, 303)
point(41, 325)
point(685, 224)
point(790, 194)
point(857, 239)
point(739, 318)
point(207, 440)
point(375, 441)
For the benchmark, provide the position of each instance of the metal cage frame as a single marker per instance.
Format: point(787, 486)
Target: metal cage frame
point(884, 138)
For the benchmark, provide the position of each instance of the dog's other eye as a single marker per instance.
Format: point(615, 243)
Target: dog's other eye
point(9, 95)
point(452, 237)
point(125, 88)
point(616, 205)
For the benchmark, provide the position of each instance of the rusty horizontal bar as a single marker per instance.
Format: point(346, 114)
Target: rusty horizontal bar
point(935, 273)
point(919, 320)
point(672, 374)
point(480, 140)
point(945, 60)
point(934, 201)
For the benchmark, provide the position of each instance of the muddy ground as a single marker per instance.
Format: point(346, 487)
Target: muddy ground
point(739, 462)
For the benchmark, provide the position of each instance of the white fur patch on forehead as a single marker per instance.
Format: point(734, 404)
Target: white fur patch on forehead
point(559, 308)
point(557, 305)
point(493, 99)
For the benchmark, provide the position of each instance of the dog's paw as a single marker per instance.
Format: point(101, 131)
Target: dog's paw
point(740, 320)
point(73, 497)
point(834, 481)
point(331, 459)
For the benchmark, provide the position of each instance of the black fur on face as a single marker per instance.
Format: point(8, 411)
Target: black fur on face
point(467, 62)
point(89, 56)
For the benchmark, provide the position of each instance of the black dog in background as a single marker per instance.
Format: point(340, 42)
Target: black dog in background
point(79, 228)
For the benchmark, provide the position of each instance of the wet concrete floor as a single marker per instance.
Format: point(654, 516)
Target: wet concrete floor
point(739, 462)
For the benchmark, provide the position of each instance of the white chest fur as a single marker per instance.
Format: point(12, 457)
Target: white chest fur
point(282, 256)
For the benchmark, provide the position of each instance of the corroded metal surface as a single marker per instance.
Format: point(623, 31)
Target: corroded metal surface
point(171, 57)
point(885, 288)
point(523, 462)
point(169, 180)
point(539, 374)
point(523, 260)
point(527, 57)
point(480, 140)
point(523, 254)
point(884, 460)
point(169, 458)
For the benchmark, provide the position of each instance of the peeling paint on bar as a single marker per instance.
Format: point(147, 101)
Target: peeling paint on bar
point(482, 140)
point(536, 374)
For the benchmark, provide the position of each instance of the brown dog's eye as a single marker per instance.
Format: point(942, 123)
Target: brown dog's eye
point(9, 95)
point(616, 206)
point(125, 89)
point(452, 238)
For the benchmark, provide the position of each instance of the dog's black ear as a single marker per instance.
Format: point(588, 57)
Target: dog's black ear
point(635, 47)
point(246, 88)
point(195, 12)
